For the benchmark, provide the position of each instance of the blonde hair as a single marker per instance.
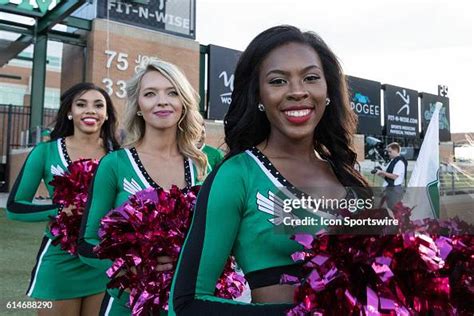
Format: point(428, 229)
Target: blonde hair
point(189, 125)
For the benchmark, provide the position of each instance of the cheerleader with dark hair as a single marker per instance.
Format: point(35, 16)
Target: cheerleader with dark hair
point(84, 129)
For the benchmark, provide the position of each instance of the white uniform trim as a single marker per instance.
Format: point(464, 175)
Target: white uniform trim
point(109, 306)
point(191, 169)
point(61, 154)
point(274, 180)
point(137, 170)
point(33, 283)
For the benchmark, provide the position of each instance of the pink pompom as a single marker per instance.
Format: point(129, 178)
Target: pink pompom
point(415, 271)
point(71, 189)
point(151, 224)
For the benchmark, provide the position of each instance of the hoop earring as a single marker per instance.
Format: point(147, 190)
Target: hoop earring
point(261, 107)
point(328, 101)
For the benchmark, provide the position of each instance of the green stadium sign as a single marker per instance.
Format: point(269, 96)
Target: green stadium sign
point(26, 5)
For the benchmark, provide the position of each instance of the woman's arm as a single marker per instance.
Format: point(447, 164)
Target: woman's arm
point(102, 194)
point(214, 228)
point(19, 204)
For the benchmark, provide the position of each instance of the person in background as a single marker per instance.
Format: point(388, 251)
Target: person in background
point(46, 135)
point(214, 155)
point(394, 175)
point(84, 129)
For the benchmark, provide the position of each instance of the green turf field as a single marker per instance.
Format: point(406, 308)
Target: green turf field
point(19, 245)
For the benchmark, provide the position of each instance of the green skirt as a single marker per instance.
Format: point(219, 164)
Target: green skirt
point(59, 275)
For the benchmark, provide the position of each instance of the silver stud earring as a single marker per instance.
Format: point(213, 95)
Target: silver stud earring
point(69, 117)
point(139, 113)
point(261, 107)
point(106, 118)
point(328, 101)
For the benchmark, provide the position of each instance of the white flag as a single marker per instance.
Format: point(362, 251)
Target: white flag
point(423, 187)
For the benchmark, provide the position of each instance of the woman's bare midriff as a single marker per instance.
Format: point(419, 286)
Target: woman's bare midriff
point(277, 294)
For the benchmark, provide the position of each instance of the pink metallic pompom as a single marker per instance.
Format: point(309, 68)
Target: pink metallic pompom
point(151, 224)
point(231, 284)
point(425, 268)
point(71, 189)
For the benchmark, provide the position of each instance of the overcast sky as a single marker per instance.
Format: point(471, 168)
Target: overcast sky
point(416, 44)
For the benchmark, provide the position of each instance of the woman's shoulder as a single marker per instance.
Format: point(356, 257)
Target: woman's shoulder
point(239, 163)
point(115, 156)
point(210, 150)
point(47, 146)
point(52, 142)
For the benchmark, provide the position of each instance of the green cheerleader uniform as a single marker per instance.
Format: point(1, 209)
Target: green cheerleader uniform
point(57, 274)
point(214, 155)
point(239, 212)
point(119, 175)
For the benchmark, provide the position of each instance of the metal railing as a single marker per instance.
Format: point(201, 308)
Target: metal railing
point(15, 133)
point(454, 179)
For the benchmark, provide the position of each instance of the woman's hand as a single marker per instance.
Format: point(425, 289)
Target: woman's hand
point(68, 210)
point(166, 263)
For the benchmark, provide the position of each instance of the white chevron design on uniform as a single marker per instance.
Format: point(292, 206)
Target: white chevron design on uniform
point(131, 186)
point(57, 170)
point(273, 205)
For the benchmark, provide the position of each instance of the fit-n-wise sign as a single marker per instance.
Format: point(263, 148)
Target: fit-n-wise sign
point(175, 17)
point(401, 111)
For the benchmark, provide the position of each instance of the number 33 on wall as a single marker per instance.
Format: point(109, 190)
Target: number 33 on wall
point(120, 87)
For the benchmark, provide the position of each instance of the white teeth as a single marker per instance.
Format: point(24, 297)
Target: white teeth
point(90, 120)
point(299, 113)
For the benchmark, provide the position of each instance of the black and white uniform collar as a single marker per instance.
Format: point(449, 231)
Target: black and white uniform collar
point(279, 180)
point(147, 180)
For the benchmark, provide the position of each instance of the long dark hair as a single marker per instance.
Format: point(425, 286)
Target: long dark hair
point(245, 126)
point(64, 127)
